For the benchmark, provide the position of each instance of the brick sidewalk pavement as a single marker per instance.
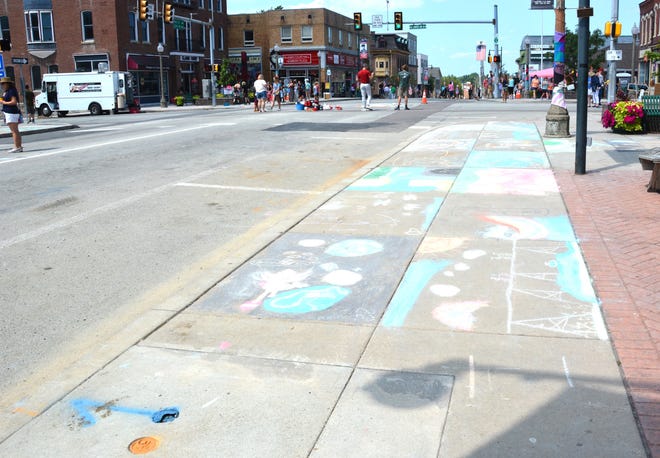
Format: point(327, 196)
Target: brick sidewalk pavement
point(617, 223)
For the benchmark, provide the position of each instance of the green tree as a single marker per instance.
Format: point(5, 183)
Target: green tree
point(224, 77)
point(596, 51)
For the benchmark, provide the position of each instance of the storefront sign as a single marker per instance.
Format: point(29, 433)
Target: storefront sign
point(300, 59)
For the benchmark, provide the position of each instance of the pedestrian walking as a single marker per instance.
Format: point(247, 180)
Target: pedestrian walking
point(12, 112)
point(595, 89)
point(404, 86)
point(364, 77)
point(29, 103)
point(261, 92)
point(277, 93)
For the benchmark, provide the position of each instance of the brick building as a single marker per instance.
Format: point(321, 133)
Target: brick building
point(649, 40)
point(67, 36)
point(313, 43)
point(390, 51)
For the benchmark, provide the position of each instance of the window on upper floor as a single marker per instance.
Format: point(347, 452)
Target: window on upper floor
point(329, 34)
point(306, 33)
point(221, 39)
point(87, 26)
point(5, 38)
point(248, 38)
point(340, 37)
point(200, 4)
point(132, 26)
point(349, 40)
point(39, 26)
point(218, 7)
point(144, 25)
point(286, 34)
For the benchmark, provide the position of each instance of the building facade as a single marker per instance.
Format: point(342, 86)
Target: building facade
point(312, 43)
point(389, 52)
point(64, 36)
point(649, 40)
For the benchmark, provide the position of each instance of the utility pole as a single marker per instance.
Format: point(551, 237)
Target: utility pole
point(584, 13)
point(611, 68)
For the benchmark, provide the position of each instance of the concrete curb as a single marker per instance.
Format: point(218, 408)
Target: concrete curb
point(4, 133)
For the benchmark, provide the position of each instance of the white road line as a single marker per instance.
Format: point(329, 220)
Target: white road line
point(509, 288)
point(97, 211)
point(566, 372)
point(471, 377)
point(247, 188)
point(108, 143)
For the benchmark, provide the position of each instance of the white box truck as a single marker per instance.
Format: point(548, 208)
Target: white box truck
point(96, 92)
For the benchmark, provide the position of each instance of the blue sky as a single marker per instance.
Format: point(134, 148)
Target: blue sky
point(452, 46)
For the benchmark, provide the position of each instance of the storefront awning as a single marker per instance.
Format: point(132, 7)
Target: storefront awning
point(146, 62)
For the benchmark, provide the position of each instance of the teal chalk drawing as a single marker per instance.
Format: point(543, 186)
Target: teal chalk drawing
point(414, 281)
point(305, 300)
point(430, 211)
point(572, 275)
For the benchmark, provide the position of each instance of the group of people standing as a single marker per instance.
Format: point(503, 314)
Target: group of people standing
point(276, 92)
point(364, 78)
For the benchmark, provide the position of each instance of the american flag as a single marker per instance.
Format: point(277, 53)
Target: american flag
point(481, 52)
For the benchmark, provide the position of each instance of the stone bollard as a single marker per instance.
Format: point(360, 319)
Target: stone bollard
point(556, 122)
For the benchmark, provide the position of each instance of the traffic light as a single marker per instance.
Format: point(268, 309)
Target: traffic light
point(216, 67)
point(143, 8)
point(357, 21)
point(496, 59)
point(612, 29)
point(168, 12)
point(490, 58)
point(398, 20)
point(5, 44)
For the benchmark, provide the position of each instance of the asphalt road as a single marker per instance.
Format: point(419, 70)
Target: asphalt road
point(110, 229)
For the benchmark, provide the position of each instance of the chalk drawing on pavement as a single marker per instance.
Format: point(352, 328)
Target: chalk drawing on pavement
point(86, 411)
point(403, 179)
point(530, 228)
point(573, 307)
point(326, 277)
point(458, 315)
point(507, 159)
point(531, 182)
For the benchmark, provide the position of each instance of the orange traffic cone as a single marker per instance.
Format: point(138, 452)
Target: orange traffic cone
point(424, 100)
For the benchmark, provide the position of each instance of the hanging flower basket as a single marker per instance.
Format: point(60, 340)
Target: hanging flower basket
point(624, 117)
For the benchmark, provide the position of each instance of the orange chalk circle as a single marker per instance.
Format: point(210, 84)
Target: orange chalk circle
point(144, 445)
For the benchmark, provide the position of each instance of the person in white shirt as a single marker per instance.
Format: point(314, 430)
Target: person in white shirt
point(261, 92)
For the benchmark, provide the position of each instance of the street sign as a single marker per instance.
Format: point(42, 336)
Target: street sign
point(19, 60)
point(377, 21)
point(2, 67)
point(179, 24)
point(613, 54)
point(417, 26)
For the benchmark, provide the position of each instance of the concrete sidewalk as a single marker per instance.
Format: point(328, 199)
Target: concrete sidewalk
point(440, 305)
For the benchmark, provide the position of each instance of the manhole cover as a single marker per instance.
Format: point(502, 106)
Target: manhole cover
point(144, 445)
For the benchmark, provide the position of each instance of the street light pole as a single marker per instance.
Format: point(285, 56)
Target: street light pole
point(634, 31)
point(160, 49)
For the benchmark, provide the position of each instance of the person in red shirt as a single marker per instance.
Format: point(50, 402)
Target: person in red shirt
point(364, 79)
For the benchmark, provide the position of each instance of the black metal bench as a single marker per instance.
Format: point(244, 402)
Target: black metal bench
point(651, 162)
